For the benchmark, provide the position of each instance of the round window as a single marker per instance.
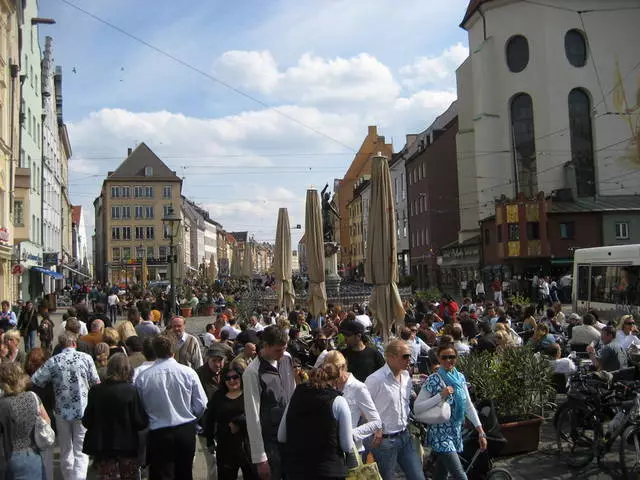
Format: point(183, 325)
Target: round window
point(575, 46)
point(517, 53)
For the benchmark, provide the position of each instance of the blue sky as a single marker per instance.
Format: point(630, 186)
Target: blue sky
point(334, 66)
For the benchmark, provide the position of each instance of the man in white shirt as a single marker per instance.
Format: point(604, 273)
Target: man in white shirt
point(584, 334)
point(113, 301)
point(83, 326)
point(363, 319)
point(208, 338)
point(390, 388)
point(417, 345)
point(256, 326)
point(174, 400)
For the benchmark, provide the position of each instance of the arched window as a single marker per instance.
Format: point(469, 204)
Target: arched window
point(575, 47)
point(517, 53)
point(582, 141)
point(524, 145)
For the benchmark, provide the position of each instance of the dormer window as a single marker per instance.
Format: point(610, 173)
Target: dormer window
point(148, 171)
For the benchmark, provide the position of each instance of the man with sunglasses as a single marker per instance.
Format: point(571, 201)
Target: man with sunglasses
point(391, 388)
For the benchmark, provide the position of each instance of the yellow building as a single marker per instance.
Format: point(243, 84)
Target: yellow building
point(356, 231)
point(134, 199)
point(9, 138)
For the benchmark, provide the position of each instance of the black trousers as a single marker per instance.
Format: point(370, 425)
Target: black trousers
point(170, 452)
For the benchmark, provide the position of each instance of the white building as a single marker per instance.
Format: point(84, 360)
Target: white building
point(29, 211)
point(52, 169)
point(210, 241)
point(547, 99)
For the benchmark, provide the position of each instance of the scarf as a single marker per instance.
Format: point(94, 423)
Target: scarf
point(456, 380)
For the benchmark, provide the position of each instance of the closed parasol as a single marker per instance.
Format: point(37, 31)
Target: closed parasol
point(282, 262)
point(315, 254)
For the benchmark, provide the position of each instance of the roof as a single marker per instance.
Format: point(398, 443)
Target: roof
point(240, 236)
point(230, 238)
point(473, 6)
point(134, 166)
point(613, 203)
point(76, 213)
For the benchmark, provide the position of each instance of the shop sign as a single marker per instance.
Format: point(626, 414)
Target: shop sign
point(17, 269)
point(459, 253)
point(49, 259)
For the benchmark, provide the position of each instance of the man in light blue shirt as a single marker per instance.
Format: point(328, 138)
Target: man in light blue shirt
point(174, 400)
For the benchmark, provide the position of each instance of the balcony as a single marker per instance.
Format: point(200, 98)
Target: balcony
point(23, 178)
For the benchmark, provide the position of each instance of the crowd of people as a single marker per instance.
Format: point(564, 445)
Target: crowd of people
point(138, 393)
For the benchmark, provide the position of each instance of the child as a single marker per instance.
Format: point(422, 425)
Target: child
point(45, 330)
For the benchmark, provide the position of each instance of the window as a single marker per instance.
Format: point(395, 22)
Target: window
point(148, 212)
point(533, 231)
point(614, 284)
point(126, 253)
point(162, 253)
point(139, 233)
point(139, 253)
point(115, 233)
point(622, 230)
point(396, 192)
point(150, 233)
point(138, 192)
point(148, 192)
point(18, 213)
point(165, 210)
point(115, 192)
point(582, 142)
point(575, 47)
point(166, 191)
point(523, 137)
point(115, 254)
point(139, 211)
point(126, 233)
point(499, 234)
point(126, 212)
point(517, 53)
point(148, 171)
point(514, 232)
point(149, 253)
point(115, 213)
point(567, 230)
point(402, 185)
point(583, 282)
point(29, 119)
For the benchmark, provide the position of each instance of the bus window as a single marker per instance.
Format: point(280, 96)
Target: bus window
point(583, 283)
point(629, 285)
point(604, 283)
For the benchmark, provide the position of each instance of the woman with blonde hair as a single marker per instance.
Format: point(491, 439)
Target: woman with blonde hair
point(326, 414)
point(626, 334)
point(112, 338)
point(358, 398)
point(11, 339)
point(24, 409)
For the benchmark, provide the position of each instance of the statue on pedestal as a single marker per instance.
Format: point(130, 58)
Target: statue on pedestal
point(329, 211)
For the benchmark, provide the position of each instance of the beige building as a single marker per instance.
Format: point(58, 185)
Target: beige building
point(356, 231)
point(134, 199)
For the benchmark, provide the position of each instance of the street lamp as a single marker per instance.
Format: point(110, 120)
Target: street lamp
point(171, 223)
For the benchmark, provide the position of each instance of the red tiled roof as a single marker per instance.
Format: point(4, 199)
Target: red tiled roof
point(75, 214)
point(471, 9)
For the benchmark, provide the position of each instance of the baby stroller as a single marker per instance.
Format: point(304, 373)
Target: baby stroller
point(477, 464)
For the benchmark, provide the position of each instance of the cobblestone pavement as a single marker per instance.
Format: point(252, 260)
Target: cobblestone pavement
point(544, 464)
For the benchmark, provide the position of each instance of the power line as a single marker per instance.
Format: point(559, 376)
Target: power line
point(207, 75)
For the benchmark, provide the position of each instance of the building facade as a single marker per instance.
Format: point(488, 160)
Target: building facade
point(432, 198)
point(129, 211)
point(355, 269)
point(373, 144)
point(399, 185)
point(80, 247)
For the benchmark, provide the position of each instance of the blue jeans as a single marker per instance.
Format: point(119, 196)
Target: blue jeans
point(449, 463)
point(399, 449)
point(30, 341)
point(25, 465)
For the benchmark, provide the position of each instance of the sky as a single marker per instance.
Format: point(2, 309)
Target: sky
point(250, 101)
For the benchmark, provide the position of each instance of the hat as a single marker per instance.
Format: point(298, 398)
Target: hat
point(216, 350)
point(351, 327)
point(575, 316)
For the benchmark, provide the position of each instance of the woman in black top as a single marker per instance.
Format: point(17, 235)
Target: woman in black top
point(113, 418)
point(225, 427)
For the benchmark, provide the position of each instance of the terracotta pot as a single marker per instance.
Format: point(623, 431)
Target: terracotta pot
point(185, 311)
point(211, 310)
point(522, 436)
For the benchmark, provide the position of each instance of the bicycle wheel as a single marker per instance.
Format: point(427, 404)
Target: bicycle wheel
point(575, 437)
point(499, 474)
point(630, 452)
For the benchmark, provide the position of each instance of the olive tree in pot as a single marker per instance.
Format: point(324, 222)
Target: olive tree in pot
point(519, 382)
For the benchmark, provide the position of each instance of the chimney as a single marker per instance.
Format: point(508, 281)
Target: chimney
point(128, 151)
point(373, 131)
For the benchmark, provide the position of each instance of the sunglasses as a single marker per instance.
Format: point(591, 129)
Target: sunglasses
point(231, 378)
point(448, 357)
point(406, 356)
point(629, 323)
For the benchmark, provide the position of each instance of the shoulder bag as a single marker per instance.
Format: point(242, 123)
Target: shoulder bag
point(43, 434)
point(363, 471)
point(439, 413)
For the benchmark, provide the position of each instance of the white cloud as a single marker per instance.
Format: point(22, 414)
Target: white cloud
point(433, 70)
point(252, 70)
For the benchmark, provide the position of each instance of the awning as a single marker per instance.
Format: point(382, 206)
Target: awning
point(76, 271)
point(51, 273)
point(561, 261)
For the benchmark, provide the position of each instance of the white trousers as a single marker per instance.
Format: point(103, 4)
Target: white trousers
point(73, 463)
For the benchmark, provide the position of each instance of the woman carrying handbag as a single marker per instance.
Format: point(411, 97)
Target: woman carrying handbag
point(443, 403)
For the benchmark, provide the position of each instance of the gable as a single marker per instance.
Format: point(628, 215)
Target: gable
point(143, 163)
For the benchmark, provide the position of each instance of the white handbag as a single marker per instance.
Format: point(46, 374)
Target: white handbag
point(439, 412)
point(43, 434)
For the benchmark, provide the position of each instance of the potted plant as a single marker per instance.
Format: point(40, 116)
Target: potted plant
point(210, 304)
point(519, 382)
point(185, 307)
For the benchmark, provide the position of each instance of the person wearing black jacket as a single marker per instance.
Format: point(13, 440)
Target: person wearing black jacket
point(113, 418)
point(226, 428)
point(5, 438)
point(28, 325)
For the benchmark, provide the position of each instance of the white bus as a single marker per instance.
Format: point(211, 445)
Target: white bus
point(607, 280)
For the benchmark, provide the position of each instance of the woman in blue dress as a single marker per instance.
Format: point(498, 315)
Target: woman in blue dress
point(445, 439)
